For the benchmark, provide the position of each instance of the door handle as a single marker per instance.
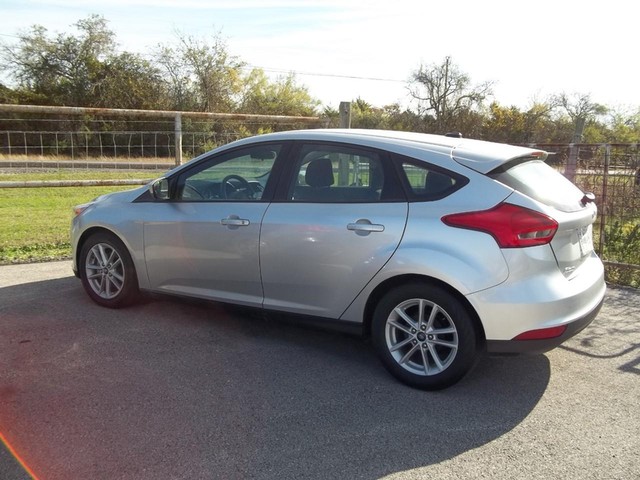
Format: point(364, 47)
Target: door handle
point(234, 221)
point(365, 227)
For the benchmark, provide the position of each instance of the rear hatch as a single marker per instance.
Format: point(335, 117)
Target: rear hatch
point(574, 211)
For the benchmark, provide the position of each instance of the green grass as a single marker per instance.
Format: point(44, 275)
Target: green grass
point(35, 222)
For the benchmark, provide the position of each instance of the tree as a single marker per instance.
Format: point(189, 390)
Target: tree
point(62, 70)
point(445, 94)
point(365, 115)
point(580, 109)
point(512, 125)
point(624, 126)
point(201, 74)
point(7, 95)
point(280, 97)
point(127, 80)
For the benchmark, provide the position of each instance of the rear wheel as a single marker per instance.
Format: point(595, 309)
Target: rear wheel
point(424, 336)
point(107, 271)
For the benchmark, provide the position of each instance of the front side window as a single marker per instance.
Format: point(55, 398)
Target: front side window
point(334, 174)
point(241, 175)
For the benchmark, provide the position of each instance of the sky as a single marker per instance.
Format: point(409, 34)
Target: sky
point(345, 49)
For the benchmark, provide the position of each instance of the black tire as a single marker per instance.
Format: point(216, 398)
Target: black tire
point(431, 352)
point(107, 272)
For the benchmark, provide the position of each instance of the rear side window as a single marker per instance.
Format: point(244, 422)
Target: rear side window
point(541, 182)
point(425, 182)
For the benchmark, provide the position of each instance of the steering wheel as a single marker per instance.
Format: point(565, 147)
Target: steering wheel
point(244, 185)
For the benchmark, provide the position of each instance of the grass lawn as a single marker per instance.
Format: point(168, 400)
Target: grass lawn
point(35, 222)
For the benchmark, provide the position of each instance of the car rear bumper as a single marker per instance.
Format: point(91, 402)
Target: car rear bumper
point(538, 298)
point(541, 346)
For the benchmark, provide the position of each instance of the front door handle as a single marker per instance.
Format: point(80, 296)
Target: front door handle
point(234, 221)
point(365, 227)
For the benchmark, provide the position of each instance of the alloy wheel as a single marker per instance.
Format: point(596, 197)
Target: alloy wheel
point(105, 271)
point(421, 337)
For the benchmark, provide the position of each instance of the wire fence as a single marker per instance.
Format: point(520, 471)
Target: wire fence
point(94, 133)
point(612, 173)
point(121, 144)
point(28, 142)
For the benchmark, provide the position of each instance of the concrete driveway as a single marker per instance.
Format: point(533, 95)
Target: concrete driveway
point(177, 390)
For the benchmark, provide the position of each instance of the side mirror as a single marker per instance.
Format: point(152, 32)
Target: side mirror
point(160, 189)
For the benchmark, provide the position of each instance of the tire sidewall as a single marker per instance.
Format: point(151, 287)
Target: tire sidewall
point(467, 352)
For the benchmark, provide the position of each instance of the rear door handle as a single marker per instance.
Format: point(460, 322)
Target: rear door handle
point(365, 227)
point(234, 221)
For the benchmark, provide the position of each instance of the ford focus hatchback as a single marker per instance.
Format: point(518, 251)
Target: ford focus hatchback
point(438, 248)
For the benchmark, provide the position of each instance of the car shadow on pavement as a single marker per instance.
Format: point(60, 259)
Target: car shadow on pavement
point(175, 389)
point(615, 333)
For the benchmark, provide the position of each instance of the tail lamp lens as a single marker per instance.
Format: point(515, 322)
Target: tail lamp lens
point(512, 226)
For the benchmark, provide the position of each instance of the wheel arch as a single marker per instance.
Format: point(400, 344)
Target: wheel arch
point(394, 282)
point(139, 269)
point(122, 274)
point(88, 233)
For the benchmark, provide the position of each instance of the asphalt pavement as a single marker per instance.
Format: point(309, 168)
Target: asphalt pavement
point(172, 389)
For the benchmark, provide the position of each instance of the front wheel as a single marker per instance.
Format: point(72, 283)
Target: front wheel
point(424, 336)
point(107, 271)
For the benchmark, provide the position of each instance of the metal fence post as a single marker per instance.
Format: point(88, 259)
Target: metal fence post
point(178, 133)
point(603, 203)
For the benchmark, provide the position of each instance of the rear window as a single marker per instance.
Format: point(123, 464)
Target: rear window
point(541, 182)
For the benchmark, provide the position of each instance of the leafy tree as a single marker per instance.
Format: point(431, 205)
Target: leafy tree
point(445, 94)
point(624, 126)
point(201, 75)
point(7, 95)
point(365, 115)
point(281, 97)
point(402, 119)
point(512, 125)
point(580, 109)
point(389, 117)
point(127, 80)
point(62, 70)
point(504, 124)
point(332, 115)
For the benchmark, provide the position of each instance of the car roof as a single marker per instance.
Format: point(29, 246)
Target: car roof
point(478, 155)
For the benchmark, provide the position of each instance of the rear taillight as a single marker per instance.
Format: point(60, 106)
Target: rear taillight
point(512, 226)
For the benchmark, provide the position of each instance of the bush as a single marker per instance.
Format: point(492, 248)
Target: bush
point(622, 246)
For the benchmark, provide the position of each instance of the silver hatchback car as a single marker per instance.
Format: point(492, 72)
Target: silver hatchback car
point(438, 248)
